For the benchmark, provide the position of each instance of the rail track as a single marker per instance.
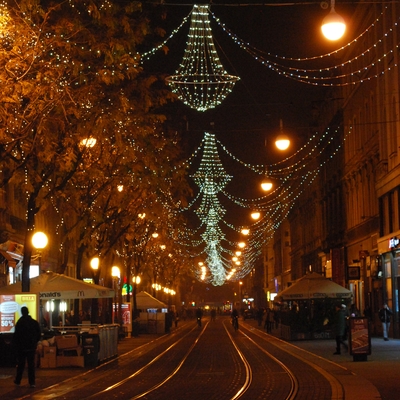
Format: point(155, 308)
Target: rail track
point(213, 361)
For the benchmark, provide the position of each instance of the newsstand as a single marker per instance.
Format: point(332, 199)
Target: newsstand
point(91, 346)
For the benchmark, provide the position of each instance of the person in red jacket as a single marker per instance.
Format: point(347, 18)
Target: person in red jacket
point(26, 336)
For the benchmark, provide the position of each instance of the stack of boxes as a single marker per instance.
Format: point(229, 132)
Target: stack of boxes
point(65, 353)
point(49, 357)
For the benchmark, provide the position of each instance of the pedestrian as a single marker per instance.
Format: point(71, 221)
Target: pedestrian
point(199, 315)
point(276, 314)
point(213, 314)
point(340, 327)
point(269, 320)
point(176, 319)
point(260, 314)
point(25, 339)
point(385, 315)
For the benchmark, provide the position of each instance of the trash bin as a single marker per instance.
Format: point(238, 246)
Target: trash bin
point(91, 347)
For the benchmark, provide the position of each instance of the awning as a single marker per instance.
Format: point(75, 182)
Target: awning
point(314, 286)
point(51, 285)
point(11, 261)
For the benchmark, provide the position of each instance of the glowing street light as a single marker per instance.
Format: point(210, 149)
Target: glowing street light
point(333, 25)
point(266, 185)
point(115, 273)
point(39, 242)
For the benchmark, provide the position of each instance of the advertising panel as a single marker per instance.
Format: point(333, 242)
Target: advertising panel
point(126, 313)
point(360, 339)
point(10, 309)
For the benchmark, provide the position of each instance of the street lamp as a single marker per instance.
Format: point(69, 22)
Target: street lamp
point(115, 273)
point(282, 143)
point(94, 264)
point(240, 293)
point(39, 242)
point(333, 25)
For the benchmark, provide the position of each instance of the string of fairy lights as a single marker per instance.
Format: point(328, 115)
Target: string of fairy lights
point(215, 249)
point(202, 83)
point(350, 72)
point(198, 85)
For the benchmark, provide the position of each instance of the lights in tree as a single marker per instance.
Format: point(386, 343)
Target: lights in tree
point(201, 81)
point(4, 18)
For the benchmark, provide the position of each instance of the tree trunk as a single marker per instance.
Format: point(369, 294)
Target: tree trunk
point(30, 225)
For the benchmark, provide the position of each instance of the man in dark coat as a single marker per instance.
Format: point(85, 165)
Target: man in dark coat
point(385, 315)
point(340, 328)
point(26, 336)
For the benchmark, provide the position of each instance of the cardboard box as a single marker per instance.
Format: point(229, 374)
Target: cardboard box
point(63, 361)
point(49, 350)
point(70, 352)
point(49, 360)
point(66, 341)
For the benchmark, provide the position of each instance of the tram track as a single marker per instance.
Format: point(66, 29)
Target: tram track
point(225, 364)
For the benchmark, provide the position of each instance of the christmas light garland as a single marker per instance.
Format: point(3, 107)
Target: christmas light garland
point(214, 247)
point(201, 81)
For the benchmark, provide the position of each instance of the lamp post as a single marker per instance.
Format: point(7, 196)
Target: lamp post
point(240, 294)
point(39, 242)
point(95, 264)
point(115, 273)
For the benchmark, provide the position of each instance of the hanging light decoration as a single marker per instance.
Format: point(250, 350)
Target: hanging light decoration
point(201, 81)
point(211, 179)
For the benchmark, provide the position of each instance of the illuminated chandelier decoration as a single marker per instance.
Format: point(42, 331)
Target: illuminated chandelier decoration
point(294, 175)
point(201, 81)
point(212, 179)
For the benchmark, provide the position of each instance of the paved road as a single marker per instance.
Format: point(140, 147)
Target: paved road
point(376, 378)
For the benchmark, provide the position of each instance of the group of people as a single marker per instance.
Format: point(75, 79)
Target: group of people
point(270, 319)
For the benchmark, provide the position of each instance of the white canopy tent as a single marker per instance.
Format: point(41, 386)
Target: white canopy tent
point(314, 286)
point(145, 300)
point(51, 285)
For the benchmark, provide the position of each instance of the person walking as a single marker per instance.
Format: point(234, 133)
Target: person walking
point(176, 319)
point(269, 320)
point(25, 339)
point(213, 314)
point(385, 315)
point(340, 328)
